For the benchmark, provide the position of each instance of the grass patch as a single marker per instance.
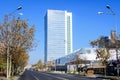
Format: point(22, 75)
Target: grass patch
point(111, 77)
point(79, 73)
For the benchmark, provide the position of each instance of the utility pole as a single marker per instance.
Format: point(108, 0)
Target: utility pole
point(115, 38)
point(8, 50)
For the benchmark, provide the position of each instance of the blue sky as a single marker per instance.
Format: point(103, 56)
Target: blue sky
point(87, 24)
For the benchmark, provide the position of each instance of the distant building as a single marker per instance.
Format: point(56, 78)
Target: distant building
point(58, 34)
point(113, 42)
point(28, 67)
point(106, 39)
point(88, 54)
point(113, 36)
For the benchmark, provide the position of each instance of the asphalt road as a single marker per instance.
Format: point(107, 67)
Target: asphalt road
point(34, 75)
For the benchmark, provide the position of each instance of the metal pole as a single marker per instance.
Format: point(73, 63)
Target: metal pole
point(115, 23)
point(116, 43)
point(7, 61)
point(7, 74)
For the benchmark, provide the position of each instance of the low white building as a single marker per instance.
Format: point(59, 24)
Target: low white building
point(87, 54)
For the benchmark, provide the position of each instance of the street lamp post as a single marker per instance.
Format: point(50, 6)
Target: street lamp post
point(18, 8)
point(8, 51)
point(112, 13)
point(115, 23)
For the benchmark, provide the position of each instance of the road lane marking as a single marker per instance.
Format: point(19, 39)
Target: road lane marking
point(69, 76)
point(54, 76)
point(34, 76)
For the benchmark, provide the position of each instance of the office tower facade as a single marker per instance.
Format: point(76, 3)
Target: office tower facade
point(58, 34)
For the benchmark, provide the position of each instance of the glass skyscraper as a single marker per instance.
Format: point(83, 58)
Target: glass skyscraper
point(58, 34)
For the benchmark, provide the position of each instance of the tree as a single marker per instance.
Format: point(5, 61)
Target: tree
point(19, 60)
point(2, 63)
point(102, 53)
point(39, 65)
point(105, 42)
point(15, 34)
point(78, 61)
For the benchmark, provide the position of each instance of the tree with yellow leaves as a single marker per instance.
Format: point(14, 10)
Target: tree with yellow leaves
point(102, 53)
point(15, 34)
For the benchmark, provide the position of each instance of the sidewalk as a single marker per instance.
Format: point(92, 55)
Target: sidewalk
point(59, 72)
point(2, 78)
point(95, 75)
point(12, 78)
